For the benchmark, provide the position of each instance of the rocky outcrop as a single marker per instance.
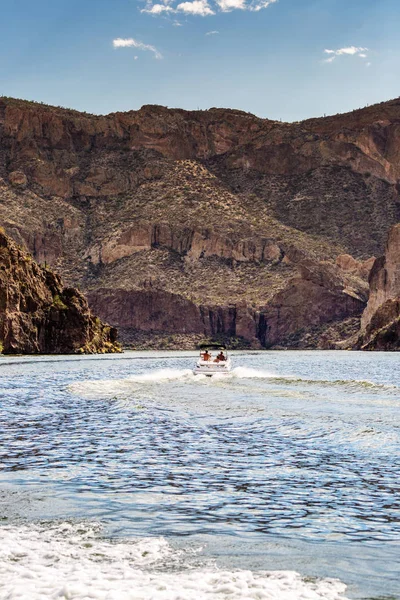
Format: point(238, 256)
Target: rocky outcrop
point(193, 244)
point(349, 264)
point(383, 330)
point(384, 279)
point(321, 294)
point(39, 315)
point(380, 323)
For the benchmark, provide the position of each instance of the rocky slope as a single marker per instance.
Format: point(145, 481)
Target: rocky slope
point(204, 223)
point(39, 315)
point(380, 323)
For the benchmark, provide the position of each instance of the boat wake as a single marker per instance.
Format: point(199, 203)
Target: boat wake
point(113, 387)
point(248, 373)
point(355, 384)
point(72, 561)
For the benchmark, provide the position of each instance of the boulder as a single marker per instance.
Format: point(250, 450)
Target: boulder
point(348, 264)
point(18, 179)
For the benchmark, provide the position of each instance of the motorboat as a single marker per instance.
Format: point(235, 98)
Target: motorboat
point(213, 360)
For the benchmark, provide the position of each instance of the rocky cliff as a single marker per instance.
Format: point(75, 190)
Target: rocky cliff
point(206, 222)
point(39, 315)
point(380, 323)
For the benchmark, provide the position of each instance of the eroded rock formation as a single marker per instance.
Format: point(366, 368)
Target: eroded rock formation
point(380, 323)
point(319, 294)
point(39, 315)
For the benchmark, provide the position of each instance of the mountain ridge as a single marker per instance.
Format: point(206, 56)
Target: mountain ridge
point(365, 110)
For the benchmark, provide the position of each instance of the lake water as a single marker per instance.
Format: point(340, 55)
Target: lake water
point(127, 477)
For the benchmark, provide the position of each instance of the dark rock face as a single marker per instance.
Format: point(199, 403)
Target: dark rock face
point(158, 311)
point(380, 323)
point(320, 294)
point(39, 315)
point(204, 222)
point(383, 331)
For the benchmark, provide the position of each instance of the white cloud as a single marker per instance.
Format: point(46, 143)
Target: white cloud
point(228, 5)
point(157, 9)
point(131, 43)
point(212, 33)
point(204, 8)
point(196, 7)
point(347, 51)
point(259, 5)
point(351, 50)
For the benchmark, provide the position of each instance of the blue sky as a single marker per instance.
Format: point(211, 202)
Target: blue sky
point(264, 57)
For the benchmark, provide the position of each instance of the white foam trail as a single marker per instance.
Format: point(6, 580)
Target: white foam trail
point(247, 373)
point(112, 387)
point(187, 374)
point(162, 375)
point(69, 562)
point(100, 388)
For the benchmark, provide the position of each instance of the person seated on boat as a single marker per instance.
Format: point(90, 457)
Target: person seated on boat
point(221, 357)
point(206, 356)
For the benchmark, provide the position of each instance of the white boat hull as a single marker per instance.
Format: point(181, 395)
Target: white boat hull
point(210, 368)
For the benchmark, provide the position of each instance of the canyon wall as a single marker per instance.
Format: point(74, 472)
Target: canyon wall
point(204, 222)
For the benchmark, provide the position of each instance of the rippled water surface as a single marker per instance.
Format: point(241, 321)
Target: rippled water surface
point(128, 477)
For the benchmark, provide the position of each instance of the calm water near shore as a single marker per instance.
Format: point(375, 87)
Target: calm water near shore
point(127, 477)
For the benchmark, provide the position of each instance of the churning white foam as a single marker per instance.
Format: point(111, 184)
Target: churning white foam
point(162, 375)
point(114, 387)
point(111, 387)
point(69, 561)
point(247, 373)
